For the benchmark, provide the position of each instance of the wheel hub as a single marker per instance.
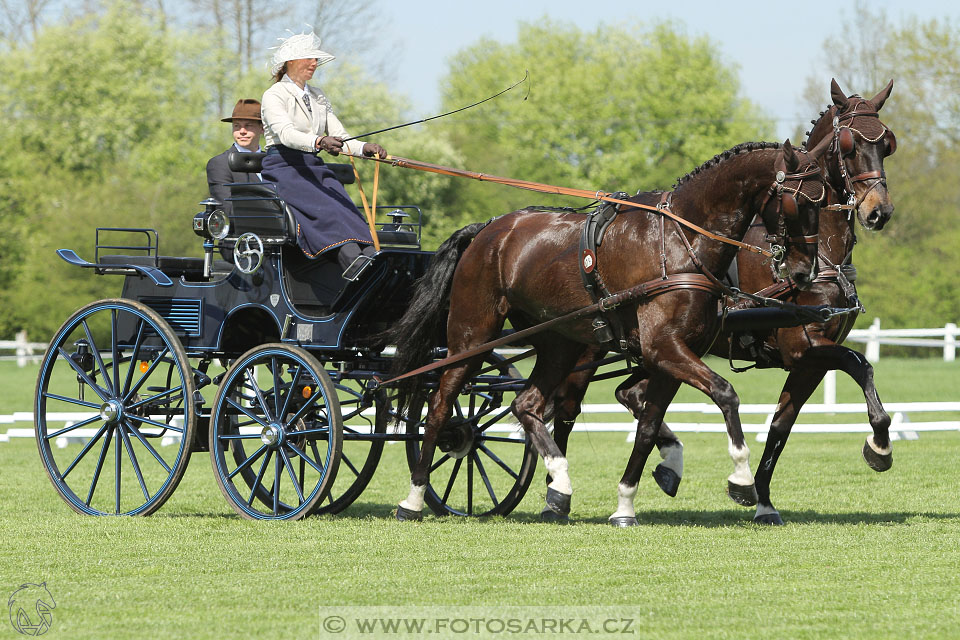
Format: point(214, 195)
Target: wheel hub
point(456, 440)
point(111, 411)
point(271, 435)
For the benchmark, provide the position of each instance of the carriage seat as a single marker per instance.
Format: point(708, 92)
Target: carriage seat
point(253, 163)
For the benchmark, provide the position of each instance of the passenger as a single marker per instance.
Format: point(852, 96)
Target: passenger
point(247, 129)
point(298, 122)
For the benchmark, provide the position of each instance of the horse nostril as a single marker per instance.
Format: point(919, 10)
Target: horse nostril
point(873, 217)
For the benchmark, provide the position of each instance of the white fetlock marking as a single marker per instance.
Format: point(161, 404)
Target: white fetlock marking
point(673, 458)
point(764, 511)
point(741, 464)
point(414, 501)
point(878, 450)
point(625, 496)
point(557, 468)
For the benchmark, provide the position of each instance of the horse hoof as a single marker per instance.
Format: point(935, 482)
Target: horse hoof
point(404, 515)
point(550, 516)
point(667, 479)
point(770, 519)
point(623, 521)
point(876, 461)
point(742, 495)
point(558, 502)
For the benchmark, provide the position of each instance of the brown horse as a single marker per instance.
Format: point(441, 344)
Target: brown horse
point(524, 266)
point(853, 166)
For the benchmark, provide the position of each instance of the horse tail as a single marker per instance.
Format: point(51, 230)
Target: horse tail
point(419, 331)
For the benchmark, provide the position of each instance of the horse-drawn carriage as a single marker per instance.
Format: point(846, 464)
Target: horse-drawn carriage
point(267, 360)
point(275, 366)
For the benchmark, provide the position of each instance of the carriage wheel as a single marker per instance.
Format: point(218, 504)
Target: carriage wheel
point(275, 433)
point(481, 468)
point(360, 455)
point(119, 381)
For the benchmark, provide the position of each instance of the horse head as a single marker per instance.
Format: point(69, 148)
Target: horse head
point(791, 213)
point(859, 144)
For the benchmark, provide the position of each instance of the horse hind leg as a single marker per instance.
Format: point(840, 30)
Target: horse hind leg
point(668, 473)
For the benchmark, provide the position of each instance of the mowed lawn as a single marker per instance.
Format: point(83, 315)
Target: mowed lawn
point(862, 554)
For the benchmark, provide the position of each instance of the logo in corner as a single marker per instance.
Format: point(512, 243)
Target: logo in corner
point(30, 607)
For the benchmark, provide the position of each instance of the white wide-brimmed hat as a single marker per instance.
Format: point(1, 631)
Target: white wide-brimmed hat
point(297, 47)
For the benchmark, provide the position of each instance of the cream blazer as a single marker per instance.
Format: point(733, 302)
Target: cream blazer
point(286, 120)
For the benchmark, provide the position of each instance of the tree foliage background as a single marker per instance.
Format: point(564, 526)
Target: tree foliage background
point(113, 107)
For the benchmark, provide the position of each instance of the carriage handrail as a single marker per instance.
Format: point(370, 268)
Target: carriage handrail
point(151, 248)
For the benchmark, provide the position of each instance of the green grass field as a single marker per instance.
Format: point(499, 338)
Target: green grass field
point(863, 554)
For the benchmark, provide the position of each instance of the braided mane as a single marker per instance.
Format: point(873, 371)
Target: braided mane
point(743, 147)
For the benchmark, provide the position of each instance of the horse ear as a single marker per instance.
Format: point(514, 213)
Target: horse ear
point(878, 100)
point(836, 93)
point(821, 148)
point(790, 156)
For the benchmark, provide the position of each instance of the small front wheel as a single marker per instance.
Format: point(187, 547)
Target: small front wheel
point(276, 433)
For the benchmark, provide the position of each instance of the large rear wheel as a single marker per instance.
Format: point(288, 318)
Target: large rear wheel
point(114, 383)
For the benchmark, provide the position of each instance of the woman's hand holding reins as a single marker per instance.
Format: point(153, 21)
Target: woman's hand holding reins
point(331, 145)
point(371, 149)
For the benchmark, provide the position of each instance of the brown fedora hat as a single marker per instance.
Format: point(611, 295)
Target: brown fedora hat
point(246, 109)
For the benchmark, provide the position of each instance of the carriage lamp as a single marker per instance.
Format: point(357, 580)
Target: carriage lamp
point(211, 225)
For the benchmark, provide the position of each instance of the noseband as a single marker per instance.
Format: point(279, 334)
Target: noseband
point(844, 145)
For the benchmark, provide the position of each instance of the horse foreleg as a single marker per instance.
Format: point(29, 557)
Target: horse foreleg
point(800, 384)
point(656, 395)
point(877, 450)
point(668, 473)
point(681, 363)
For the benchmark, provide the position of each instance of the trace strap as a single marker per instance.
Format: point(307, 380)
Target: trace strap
point(407, 163)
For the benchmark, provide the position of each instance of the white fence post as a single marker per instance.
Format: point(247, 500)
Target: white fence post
point(830, 387)
point(873, 341)
point(23, 348)
point(950, 342)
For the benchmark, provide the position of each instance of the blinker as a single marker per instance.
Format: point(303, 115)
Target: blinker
point(845, 141)
point(891, 142)
point(788, 205)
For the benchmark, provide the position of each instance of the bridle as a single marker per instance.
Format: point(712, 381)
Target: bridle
point(787, 188)
point(844, 146)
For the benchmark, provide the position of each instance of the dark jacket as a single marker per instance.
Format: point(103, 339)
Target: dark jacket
point(219, 175)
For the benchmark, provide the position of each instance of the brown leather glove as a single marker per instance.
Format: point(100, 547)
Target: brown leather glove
point(331, 145)
point(371, 149)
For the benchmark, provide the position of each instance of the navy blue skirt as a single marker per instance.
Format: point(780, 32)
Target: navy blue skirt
point(326, 217)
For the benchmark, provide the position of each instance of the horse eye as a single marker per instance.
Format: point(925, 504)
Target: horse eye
point(846, 142)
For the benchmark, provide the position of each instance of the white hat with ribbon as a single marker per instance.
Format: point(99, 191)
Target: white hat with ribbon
point(297, 47)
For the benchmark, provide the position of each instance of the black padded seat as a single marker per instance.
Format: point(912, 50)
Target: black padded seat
point(253, 163)
point(174, 266)
point(258, 209)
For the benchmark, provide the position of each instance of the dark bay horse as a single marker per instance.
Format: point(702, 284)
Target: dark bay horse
point(853, 166)
point(524, 266)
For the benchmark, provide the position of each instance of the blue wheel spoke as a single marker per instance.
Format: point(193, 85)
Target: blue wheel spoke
point(241, 436)
point(469, 485)
point(245, 412)
point(100, 391)
point(256, 389)
point(154, 398)
point(82, 453)
point(276, 487)
point(115, 353)
point(315, 432)
point(249, 461)
point(75, 425)
point(312, 400)
point(292, 474)
point(134, 357)
point(117, 457)
point(161, 425)
point(133, 461)
point(256, 483)
point(146, 374)
point(148, 446)
point(96, 355)
point(486, 480)
point(103, 455)
point(76, 401)
point(452, 480)
point(436, 465)
point(276, 386)
point(494, 419)
point(500, 462)
point(293, 383)
point(319, 469)
point(345, 460)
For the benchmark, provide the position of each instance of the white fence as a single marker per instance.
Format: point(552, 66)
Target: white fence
point(24, 351)
point(945, 338)
point(615, 418)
